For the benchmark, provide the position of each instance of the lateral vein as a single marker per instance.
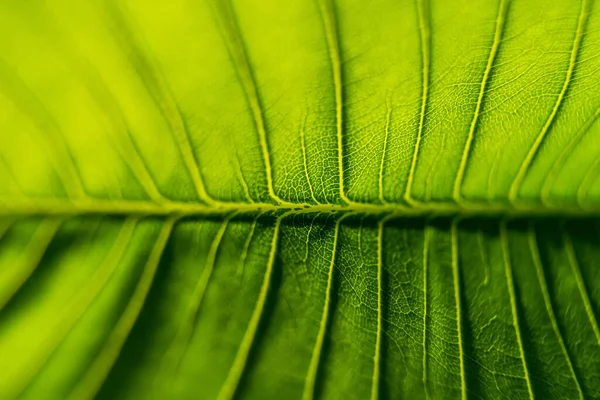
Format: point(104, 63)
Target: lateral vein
point(227, 22)
point(241, 358)
point(90, 384)
point(246, 247)
point(327, 10)
point(586, 183)
point(585, 297)
point(156, 86)
point(30, 258)
point(424, 35)
point(78, 305)
point(172, 357)
point(62, 157)
point(241, 178)
point(537, 262)
point(457, 299)
point(516, 184)
point(427, 234)
point(377, 358)
point(499, 30)
point(513, 303)
point(311, 376)
point(562, 158)
point(383, 151)
point(304, 159)
point(119, 131)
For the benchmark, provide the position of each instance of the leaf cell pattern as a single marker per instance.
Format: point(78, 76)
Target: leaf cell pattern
point(311, 199)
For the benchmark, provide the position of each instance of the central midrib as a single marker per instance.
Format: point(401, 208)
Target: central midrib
point(134, 207)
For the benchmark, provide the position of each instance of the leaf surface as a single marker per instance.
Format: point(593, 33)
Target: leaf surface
point(310, 199)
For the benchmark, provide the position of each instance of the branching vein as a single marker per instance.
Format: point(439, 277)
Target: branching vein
point(562, 158)
point(502, 11)
point(78, 305)
point(377, 358)
point(88, 386)
point(331, 32)
point(311, 376)
point(383, 151)
point(60, 152)
point(30, 258)
point(178, 346)
point(304, 160)
point(227, 22)
point(424, 34)
point(516, 184)
point(161, 95)
point(537, 262)
point(585, 297)
point(241, 358)
point(457, 300)
point(588, 180)
point(427, 233)
point(513, 303)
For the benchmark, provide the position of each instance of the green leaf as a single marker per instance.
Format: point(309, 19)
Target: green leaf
point(306, 199)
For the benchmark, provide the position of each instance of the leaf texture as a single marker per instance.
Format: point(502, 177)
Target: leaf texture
point(313, 199)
